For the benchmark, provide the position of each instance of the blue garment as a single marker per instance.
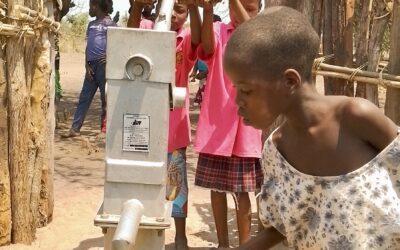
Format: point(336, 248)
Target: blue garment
point(96, 35)
point(201, 66)
point(178, 173)
point(87, 93)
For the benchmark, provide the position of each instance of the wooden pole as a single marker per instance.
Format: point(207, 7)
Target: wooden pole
point(327, 41)
point(340, 42)
point(46, 202)
point(317, 15)
point(361, 40)
point(392, 105)
point(348, 43)
point(5, 201)
point(23, 226)
point(349, 71)
point(24, 175)
point(26, 125)
point(37, 18)
point(379, 25)
point(39, 106)
point(372, 81)
point(313, 9)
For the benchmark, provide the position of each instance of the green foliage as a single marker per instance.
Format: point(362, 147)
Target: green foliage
point(73, 32)
point(78, 23)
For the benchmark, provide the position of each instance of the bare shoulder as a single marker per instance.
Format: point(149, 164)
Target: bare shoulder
point(365, 120)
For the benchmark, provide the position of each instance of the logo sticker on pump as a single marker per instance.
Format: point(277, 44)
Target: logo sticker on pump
point(136, 133)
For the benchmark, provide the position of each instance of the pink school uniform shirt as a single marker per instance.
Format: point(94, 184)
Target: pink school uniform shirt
point(146, 24)
point(179, 122)
point(220, 130)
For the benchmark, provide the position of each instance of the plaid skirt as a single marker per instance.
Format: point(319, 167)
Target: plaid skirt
point(228, 174)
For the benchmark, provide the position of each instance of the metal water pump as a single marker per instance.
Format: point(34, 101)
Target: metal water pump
point(140, 76)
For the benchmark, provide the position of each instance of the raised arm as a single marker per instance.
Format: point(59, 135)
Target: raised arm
point(241, 13)
point(135, 16)
point(207, 29)
point(195, 24)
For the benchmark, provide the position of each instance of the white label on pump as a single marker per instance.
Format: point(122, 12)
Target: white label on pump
point(136, 135)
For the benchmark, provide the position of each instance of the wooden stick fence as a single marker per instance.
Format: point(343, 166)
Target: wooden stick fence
point(355, 74)
point(35, 17)
point(13, 30)
point(32, 20)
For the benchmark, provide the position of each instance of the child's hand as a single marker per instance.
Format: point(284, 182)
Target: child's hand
point(103, 60)
point(206, 4)
point(89, 72)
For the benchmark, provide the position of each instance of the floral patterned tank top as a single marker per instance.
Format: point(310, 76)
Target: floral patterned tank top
point(358, 210)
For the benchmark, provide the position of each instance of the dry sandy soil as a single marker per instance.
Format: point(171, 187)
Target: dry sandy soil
point(79, 177)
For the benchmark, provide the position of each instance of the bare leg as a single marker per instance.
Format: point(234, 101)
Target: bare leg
point(180, 236)
point(260, 225)
point(243, 215)
point(220, 211)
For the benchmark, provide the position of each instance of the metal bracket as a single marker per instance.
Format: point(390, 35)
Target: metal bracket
point(111, 220)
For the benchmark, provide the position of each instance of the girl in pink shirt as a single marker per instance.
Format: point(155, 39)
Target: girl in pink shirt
point(179, 123)
point(229, 150)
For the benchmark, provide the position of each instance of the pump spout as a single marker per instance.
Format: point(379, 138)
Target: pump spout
point(128, 226)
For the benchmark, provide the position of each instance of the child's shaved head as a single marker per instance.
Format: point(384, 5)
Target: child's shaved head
point(279, 38)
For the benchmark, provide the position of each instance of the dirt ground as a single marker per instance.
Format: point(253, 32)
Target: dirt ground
point(79, 177)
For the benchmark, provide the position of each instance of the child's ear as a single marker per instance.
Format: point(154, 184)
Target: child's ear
point(292, 79)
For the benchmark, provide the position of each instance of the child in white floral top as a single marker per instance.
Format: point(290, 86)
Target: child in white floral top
point(332, 170)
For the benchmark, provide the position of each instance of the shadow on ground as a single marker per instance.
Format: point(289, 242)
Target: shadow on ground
point(79, 160)
point(90, 243)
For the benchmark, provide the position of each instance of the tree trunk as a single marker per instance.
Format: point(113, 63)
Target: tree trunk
point(343, 45)
point(348, 43)
point(44, 107)
point(361, 39)
point(338, 40)
point(26, 129)
point(23, 228)
point(327, 41)
point(39, 107)
point(5, 202)
point(379, 25)
point(314, 10)
point(392, 105)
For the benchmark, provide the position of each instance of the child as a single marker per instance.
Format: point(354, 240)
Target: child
point(229, 151)
point(332, 168)
point(202, 70)
point(141, 12)
point(95, 77)
point(179, 123)
point(199, 72)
